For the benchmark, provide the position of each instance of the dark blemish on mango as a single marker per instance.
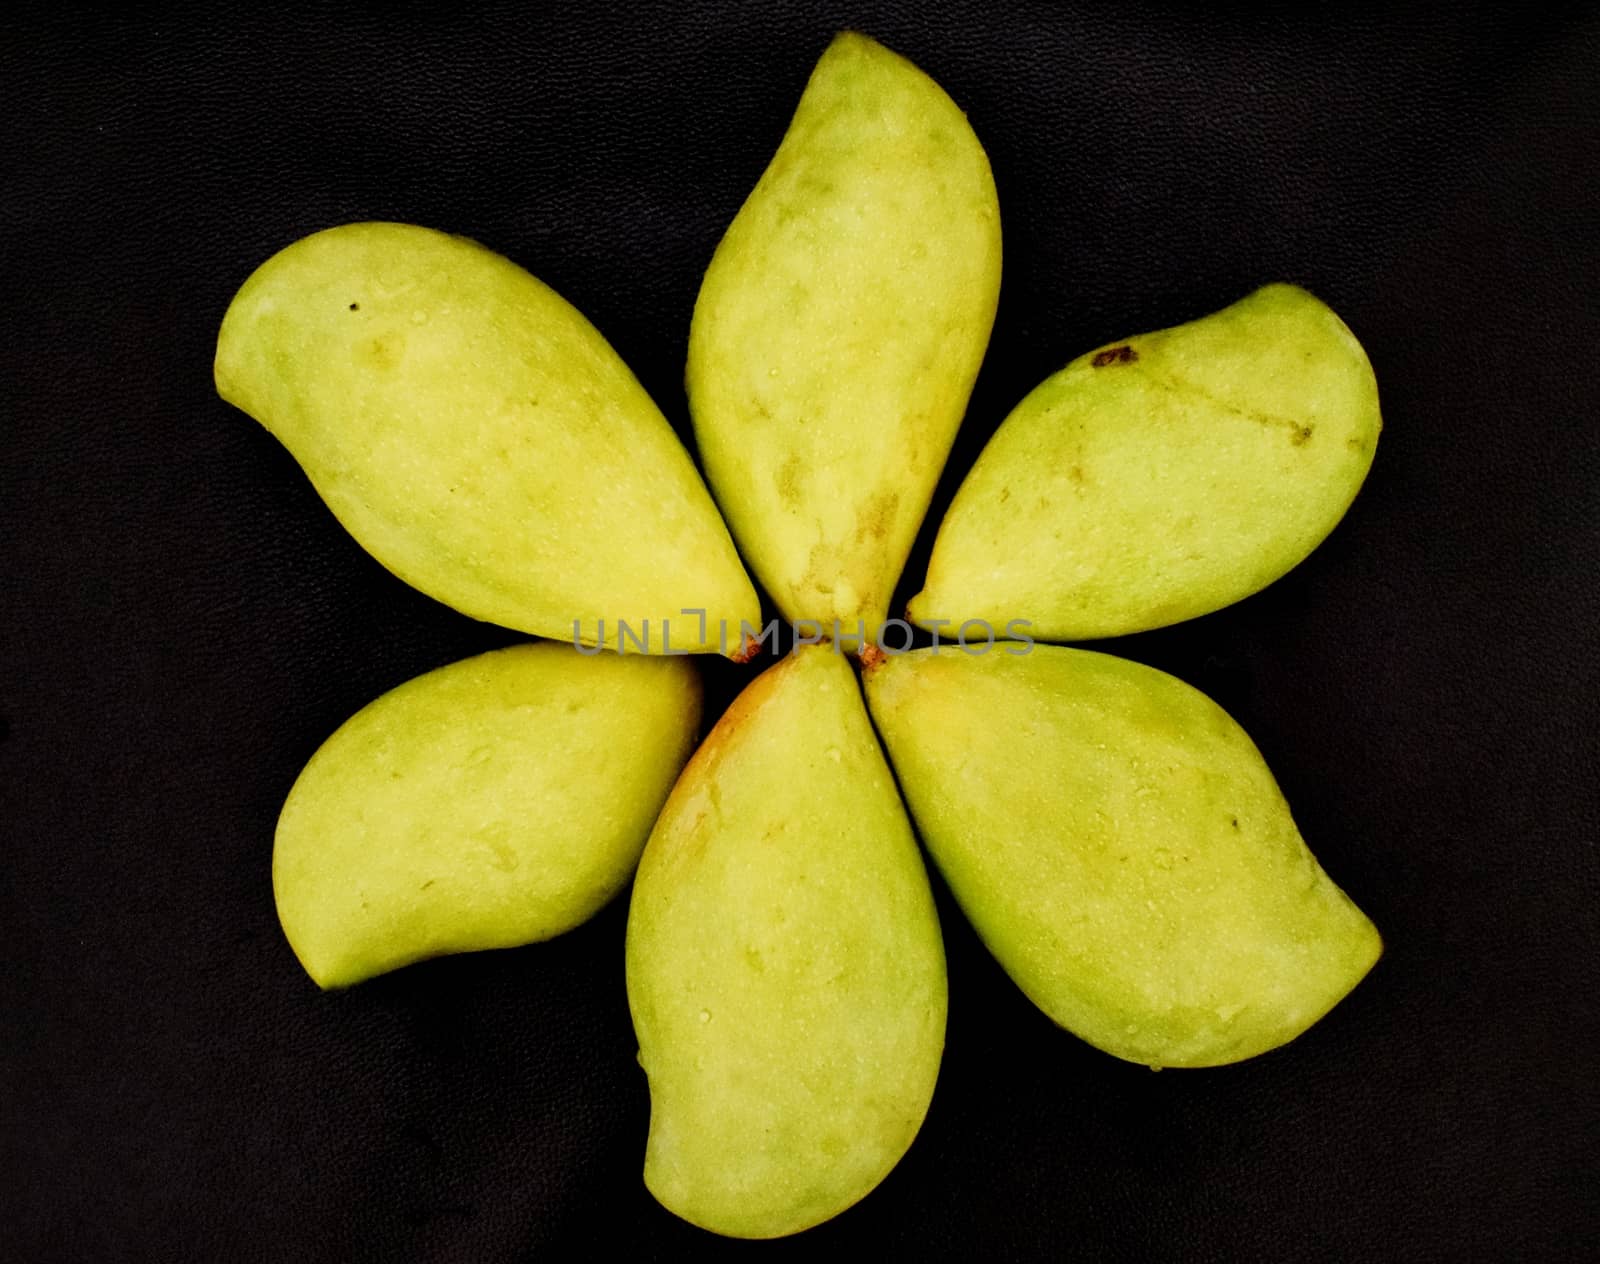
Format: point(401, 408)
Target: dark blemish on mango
point(384, 351)
point(355, 307)
point(1076, 474)
point(1114, 355)
point(1235, 822)
point(1005, 494)
point(749, 646)
point(426, 885)
point(877, 517)
point(1299, 431)
point(787, 481)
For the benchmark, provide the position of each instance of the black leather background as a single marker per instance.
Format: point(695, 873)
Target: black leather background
point(184, 622)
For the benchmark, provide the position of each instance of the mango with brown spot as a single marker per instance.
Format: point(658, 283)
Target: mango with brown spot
point(839, 330)
point(1162, 477)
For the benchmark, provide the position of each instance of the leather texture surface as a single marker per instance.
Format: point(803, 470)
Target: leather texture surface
point(184, 622)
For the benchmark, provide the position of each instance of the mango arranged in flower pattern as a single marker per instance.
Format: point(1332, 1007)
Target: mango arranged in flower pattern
point(1163, 476)
point(1121, 847)
point(497, 801)
point(785, 968)
point(838, 332)
point(480, 438)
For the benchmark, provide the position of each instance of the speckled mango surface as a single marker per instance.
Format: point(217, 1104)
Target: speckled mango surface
point(480, 438)
point(838, 332)
point(491, 803)
point(1162, 477)
point(785, 969)
point(1123, 850)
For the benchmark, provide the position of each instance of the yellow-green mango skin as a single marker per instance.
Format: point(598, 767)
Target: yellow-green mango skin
point(838, 332)
point(785, 968)
point(480, 438)
point(1162, 477)
point(1121, 847)
point(491, 803)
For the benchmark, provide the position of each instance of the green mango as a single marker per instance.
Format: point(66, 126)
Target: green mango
point(480, 438)
point(1122, 849)
point(838, 331)
point(1161, 477)
point(494, 802)
point(784, 964)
